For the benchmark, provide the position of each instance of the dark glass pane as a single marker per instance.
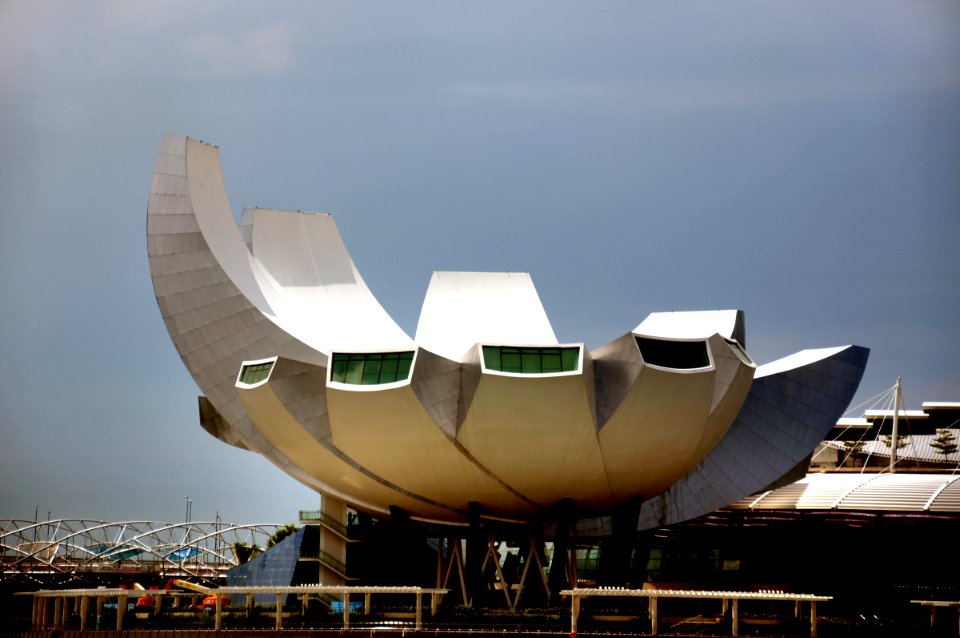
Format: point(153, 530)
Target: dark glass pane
point(491, 357)
point(339, 368)
point(570, 358)
point(680, 355)
point(354, 371)
point(510, 360)
point(551, 360)
point(530, 361)
point(255, 373)
point(403, 367)
point(371, 371)
point(388, 369)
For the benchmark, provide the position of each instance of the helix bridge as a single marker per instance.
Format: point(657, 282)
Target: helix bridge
point(70, 551)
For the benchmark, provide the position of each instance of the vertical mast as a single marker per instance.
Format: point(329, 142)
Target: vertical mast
point(893, 435)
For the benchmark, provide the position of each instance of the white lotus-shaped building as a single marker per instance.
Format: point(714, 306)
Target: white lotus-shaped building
point(484, 410)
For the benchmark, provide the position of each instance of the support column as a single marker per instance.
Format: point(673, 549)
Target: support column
point(218, 615)
point(84, 612)
point(456, 561)
point(279, 623)
point(121, 610)
point(813, 619)
point(614, 568)
point(476, 552)
point(654, 616)
point(346, 611)
point(532, 563)
point(58, 612)
point(574, 614)
point(419, 611)
point(334, 512)
point(493, 556)
point(735, 620)
point(560, 572)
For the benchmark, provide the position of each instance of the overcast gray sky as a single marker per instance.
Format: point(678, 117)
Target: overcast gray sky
point(797, 160)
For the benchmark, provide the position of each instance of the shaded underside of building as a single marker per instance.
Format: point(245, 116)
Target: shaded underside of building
point(872, 541)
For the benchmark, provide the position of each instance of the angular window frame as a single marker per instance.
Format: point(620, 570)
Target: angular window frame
point(256, 372)
point(528, 361)
point(686, 352)
point(370, 369)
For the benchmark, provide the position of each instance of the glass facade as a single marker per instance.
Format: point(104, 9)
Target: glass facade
point(525, 360)
point(371, 368)
point(255, 372)
point(679, 355)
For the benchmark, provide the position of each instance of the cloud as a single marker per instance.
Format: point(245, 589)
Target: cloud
point(267, 51)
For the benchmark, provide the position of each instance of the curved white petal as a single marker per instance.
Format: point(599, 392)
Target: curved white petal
point(462, 309)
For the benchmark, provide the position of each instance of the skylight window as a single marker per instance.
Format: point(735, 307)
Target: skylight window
point(253, 373)
point(371, 368)
point(524, 360)
point(679, 355)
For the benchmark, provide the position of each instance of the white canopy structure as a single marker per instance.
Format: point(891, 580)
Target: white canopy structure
point(484, 411)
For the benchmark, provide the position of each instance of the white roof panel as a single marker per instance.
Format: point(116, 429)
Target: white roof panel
point(699, 324)
point(462, 309)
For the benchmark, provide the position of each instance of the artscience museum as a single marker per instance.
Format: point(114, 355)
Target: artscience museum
point(483, 412)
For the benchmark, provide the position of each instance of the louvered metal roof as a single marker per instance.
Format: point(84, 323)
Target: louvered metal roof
point(915, 447)
point(909, 492)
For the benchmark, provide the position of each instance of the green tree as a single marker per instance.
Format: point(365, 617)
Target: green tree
point(945, 442)
point(244, 552)
point(281, 534)
point(902, 441)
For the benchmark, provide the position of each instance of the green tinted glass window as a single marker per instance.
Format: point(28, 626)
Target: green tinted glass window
point(339, 368)
point(403, 365)
point(551, 360)
point(491, 357)
point(370, 368)
point(510, 359)
point(388, 369)
point(354, 371)
point(255, 372)
point(570, 358)
point(531, 360)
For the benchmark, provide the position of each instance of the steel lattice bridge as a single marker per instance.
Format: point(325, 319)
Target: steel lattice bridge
point(67, 550)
